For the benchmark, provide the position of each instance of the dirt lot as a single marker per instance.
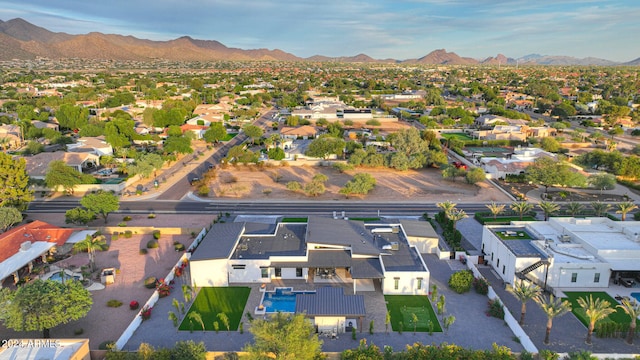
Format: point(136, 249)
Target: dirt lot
point(237, 182)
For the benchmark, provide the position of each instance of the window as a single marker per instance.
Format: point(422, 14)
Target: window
point(238, 267)
point(264, 272)
point(278, 272)
point(498, 264)
point(503, 269)
point(298, 272)
point(596, 278)
point(396, 283)
point(574, 277)
point(419, 284)
point(491, 256)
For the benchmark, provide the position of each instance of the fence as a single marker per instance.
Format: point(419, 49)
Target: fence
point(135, 323)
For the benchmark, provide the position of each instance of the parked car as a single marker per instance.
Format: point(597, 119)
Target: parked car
point(626, 282)
point(194, 180)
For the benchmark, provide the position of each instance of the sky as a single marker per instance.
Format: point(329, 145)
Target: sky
point(398, 29)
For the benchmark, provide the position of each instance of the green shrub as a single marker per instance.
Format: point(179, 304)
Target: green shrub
point(151, 216)
point(353, 333)
point(122, 224)
point(128, 234)
point(152, 244)
point(143, 251)
point(114, 303)
point(106, 345)
point(179, 247)
point(156, 234)
point(481, 286)
point(461, 281)
point(150, 282)
point(78, 331)
point(115, 236)
point(126, 218)
point(496, 309)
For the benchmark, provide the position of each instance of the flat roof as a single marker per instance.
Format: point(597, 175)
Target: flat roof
point(219, 242)
point(37, 349)
point(288, 240)
point(330, 301)
point(418, 228)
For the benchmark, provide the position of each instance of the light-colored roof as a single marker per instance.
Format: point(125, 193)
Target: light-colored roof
point(37, 349)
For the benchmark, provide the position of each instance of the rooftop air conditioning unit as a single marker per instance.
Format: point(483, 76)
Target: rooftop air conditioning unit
point(564, 238)
point(395, 230)
point(25, 246)
point(395, 246)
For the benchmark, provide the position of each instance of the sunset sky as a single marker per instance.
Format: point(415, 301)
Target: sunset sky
point(401, 29)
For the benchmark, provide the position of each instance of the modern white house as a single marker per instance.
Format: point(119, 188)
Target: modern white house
point(564, 252)
point(369, 256)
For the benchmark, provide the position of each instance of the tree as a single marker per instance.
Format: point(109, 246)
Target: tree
point(475, 175)
point(195, 316)
point(363, 352)
point(632, 309)
point(314, 188)
point(215, 132)
point(14, 182)
point(324, 146)
point(79, 216)
point(102, 203)
point(595, 310)
point(447, 207)
point(360, 184)
point(495, 209)
point(189, 350)
point(253, 131)
point(276, 153)
point(548, 172)
point(72, 117)
point(548, 208)
point(284, 336)
point(521, 207)
point(524, 292)
point(552, 307)
point(550, 144)
point(574, 208)
point(41, 305)
point(178, 145)
point(624, 208)
point(59, 174)
point(602, 181)
point(90, 245)
point(8, 217)
point(456, 215)
point(599, 207)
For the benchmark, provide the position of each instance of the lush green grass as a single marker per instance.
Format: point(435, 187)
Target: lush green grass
point(519, 235)
point(229, 136)
point(364, 218)
point(402, 307)
point(505, 220)
point(619, 316)
point(461, 136)
point(294, 220)
point(214, 300)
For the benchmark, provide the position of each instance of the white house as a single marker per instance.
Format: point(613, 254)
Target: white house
point(321, 250)
point(564, 252)
point(513, 164)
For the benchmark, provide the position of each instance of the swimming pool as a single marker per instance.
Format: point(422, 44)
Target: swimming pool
point(58, 277)
point(281, 300)
point(636, 295)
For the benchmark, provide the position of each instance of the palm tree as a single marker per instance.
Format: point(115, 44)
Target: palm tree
point(574, 208)
point(521, 207)
point(599, 207)
point(624, 208)
point(195, 316)
point(524, 292)
point(495, 209)
point(595, 310)
point(447, 207)
point(90, 245)
point(548, 207)
point(456, 215)
point(633, 310)
point(552, 307)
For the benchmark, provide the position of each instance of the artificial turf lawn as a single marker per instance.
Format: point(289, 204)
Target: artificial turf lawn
point(461, 136)
point(402, 307)
point(214, 300)
point(619, 316)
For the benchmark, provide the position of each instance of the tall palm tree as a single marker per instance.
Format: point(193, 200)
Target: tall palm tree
point(599, 207)
point(524, 292)
point(548, 207)
point(495, 209)
point(595, 310)
point(447, 207)
point(574, 208)
point(456, 215)
point(90, 245)
point(521, 207)
point(552, 307)
point(624, 208)
point(632, 308)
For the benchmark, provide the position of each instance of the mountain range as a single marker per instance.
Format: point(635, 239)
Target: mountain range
point(22, 40)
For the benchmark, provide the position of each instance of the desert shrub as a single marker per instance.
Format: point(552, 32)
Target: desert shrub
point(122, 224)
point(115, 236)
point(178, 247)
point(150, 282)
point(203, 190)
point(106, 345)
point(294, 186)
point(78, 331)
point(152, 244)
point(156, 234)
point(481, 286)
point(151, 216)
point(143, 251)
point(461, 281)
point(126, 218)
point(114, 303)
point(496, 309)
point(128, 234)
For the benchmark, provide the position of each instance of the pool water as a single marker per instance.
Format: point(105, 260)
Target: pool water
point(636, 295)
point(57, 277)
point(281, 300)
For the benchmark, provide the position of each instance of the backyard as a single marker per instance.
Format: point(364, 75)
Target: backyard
point(403, 308)
point(619, 317)
point(212, 301)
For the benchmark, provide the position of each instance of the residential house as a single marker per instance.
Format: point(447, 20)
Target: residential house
point(322, 250)
point(45, 125)
point(11, 136)
point(93, 145)
point(38, 165)
point(513, 164)
point(197, 130)
point(302, 132)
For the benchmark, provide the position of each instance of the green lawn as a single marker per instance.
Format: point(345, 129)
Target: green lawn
point(214, 300)
point(505, 219)
point(294, 220)
point(619, 316)
point(229, 136)
point(461, 136)
point(402, 308)
point(514, 235)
